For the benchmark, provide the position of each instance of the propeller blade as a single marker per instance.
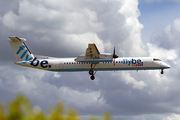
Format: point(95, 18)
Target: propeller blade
point(114, 54)
point(113, 61)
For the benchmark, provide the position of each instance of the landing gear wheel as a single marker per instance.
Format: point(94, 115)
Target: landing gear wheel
point(92, 77)
point(91, 72)
point(162, 72)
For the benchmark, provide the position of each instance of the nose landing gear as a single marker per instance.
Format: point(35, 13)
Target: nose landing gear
point(162, 72)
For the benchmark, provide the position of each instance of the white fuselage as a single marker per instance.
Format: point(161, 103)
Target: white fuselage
point(91, 61)
point(69, 64)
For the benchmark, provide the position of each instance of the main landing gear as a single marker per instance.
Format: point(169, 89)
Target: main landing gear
point(91, 72)
point(162, 72)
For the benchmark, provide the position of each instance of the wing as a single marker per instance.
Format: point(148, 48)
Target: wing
point(92, 51)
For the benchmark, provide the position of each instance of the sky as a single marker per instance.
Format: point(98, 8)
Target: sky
point(63, 28)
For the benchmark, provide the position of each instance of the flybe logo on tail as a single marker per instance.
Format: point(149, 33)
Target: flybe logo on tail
point(133, 62)
point(24, 54)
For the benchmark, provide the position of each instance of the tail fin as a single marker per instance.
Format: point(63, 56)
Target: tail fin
point(20, 49)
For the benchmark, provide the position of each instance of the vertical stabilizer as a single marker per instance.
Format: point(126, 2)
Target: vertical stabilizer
point(20, 49)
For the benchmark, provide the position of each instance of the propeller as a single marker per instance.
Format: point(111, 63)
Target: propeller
point(114, 56)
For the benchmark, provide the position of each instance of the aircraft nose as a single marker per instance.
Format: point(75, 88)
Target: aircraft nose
point(165, 65)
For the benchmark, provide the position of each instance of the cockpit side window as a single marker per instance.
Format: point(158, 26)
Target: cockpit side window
point(155, 59)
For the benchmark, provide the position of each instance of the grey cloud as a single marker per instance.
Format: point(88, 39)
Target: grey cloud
point(42, 20)
point(8, 5)
point(169, 37)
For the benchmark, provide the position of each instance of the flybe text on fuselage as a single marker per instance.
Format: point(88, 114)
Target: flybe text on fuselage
point(133, 62)
point(43, 63)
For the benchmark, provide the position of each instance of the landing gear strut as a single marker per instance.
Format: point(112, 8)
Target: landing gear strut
point(91, 72)
point(162, 72)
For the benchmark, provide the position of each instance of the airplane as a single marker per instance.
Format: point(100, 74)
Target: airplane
point(91, 61)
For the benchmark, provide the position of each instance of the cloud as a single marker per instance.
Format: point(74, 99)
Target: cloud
point(64, 29)
point(57, 75)
point(47, 20)
point(134, 27)
point(45, 89)
point(157, 52)
point(173, 117)
point(169, 37)
point(128, 79)
point(9, 5)
point(37, 15)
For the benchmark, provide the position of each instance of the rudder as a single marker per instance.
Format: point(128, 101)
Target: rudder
point(20, 49)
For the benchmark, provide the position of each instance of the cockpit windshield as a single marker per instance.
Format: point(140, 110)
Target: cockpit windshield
point(155, 59)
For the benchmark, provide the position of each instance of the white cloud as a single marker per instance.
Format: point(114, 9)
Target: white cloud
point(9, 20)
point(128, 79)
point(109, 46)
point(129, 9)
point(172, 33)
point(38, 87)
point(162, 53)
point(83, 40)
point(169, 37)
point(61, 20)
point(36, 15)
point(73, 97)
point(81, 22)
point(172, 117)
point(57, 75)
point(65, 28)
point(133, 28)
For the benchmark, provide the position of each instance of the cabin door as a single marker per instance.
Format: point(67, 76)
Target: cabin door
point(61, 65)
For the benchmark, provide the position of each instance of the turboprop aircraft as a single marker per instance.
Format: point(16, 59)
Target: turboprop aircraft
point(92, 61)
